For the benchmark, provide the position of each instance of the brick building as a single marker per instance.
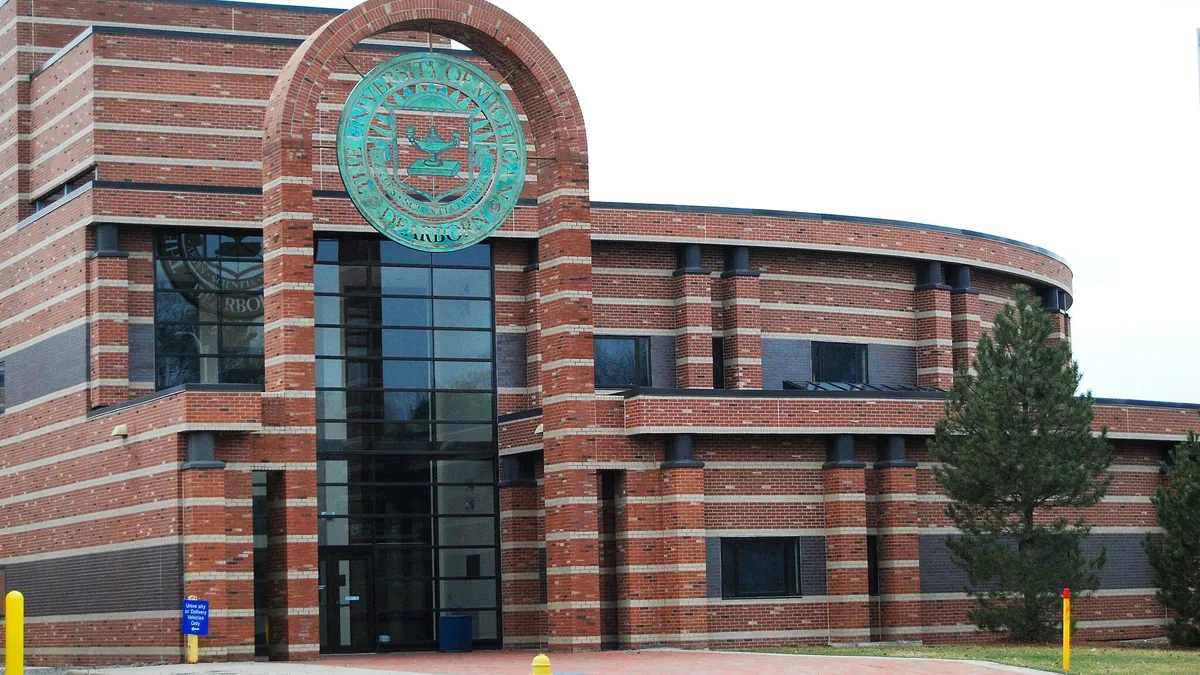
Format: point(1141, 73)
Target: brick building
point(609, 425)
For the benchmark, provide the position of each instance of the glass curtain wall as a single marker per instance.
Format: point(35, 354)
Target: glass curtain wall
point(407, 454)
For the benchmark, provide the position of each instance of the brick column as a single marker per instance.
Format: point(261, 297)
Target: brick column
point(846, 543)
point(897, 546)
point(741, 323)
point(692, 291)
point(964, 318)
point(935, 359)
point(520, 559)
point(239, 564)
point(108, 302)
point(569, 415)
point(683, 581)
point(289, 409)
point(202, 524)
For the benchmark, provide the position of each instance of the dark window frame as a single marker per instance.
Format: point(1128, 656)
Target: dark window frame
point(643, 369)
point(2, 385)
point(861, 362)
point(730, 554)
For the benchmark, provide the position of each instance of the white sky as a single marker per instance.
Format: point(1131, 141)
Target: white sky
point(1072, 125)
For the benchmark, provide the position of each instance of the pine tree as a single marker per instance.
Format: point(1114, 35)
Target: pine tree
point(1176, 558)
point(1017, 456)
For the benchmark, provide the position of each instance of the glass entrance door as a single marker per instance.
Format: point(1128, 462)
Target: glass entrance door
point(347, 598)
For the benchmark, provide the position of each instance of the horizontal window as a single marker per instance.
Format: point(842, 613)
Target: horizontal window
point(365, 251)
point(760, 567)
point(622, 362)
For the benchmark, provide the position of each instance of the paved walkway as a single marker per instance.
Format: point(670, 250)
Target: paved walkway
point(655, 662)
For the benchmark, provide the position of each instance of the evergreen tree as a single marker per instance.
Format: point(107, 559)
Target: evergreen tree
point(1016, 449)
point(1176, 557)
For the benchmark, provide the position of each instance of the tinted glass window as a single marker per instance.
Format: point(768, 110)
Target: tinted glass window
point(622, 362)
point(208, 308)
point(760, 567)
point(839, 362)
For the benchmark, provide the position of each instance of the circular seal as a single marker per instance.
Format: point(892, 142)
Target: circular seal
point(431, 151)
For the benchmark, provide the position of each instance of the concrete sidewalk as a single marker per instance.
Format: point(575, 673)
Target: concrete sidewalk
point(656, 662)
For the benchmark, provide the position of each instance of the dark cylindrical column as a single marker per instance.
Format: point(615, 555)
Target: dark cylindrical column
point(839, 454)
point(678, 453)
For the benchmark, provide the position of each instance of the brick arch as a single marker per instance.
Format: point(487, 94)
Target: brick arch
point(287, 444)
point(537, 78)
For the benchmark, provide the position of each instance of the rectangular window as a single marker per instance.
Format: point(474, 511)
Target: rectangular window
point(839, 362)
point(718, 363)
point(1, 386)
point(208, 308)
point(622, 362)
point(760, 567)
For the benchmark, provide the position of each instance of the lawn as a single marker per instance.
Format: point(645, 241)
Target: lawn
point(1085, 660)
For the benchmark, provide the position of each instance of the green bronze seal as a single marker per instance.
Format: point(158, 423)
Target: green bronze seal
point(431, 151)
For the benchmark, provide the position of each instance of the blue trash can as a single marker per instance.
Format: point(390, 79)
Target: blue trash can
point(454, 633)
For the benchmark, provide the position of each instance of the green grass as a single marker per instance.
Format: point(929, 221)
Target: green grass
point(1085, 660)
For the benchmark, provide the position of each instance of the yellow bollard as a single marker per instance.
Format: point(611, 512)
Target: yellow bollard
point(1066, 659)
point(193, 643)
point(541, 665)
point(14, 633)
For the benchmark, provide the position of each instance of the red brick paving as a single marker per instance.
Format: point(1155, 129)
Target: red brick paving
point(658, 663)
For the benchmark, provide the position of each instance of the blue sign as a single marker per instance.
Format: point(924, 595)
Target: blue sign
point(195, 617)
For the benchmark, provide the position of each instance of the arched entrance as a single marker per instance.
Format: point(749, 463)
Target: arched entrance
point(297, 200)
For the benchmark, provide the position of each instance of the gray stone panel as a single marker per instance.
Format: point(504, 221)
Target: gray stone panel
point(812, 566)
point(785, 360)
point(712, 561)
point(47, 366)
point(510, 360)
point(141, 352)
point(892, 364)
point(143, 580)
point(1127, 566)
point(662, 361)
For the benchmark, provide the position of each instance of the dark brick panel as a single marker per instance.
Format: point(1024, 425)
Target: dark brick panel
point(1127, 567)
point(510, 360)
point(712, 570)
point(55, 363)
point(141, 352)
point(892, 364)
point(149, 579)
point(662, 361)
point(812, 566)
point(785, 360)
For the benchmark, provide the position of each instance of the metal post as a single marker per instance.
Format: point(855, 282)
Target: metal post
point(541, 665)
point(14, 633)
point(1066, 647)
point(193, 642)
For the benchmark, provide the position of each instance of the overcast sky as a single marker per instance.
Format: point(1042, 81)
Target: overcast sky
point(1072, 125)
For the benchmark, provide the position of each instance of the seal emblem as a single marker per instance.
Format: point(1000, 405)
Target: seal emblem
point(431, 151)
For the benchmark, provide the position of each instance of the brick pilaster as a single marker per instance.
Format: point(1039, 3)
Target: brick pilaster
point(964, 319)
point(741, 323)
point(683, 582)
point(692, 293)
point(931, 299)
point(108, 303)
point(846, 543)
point(897, 548)
point(202, 523)
point(569, 414)
point(520, 562)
